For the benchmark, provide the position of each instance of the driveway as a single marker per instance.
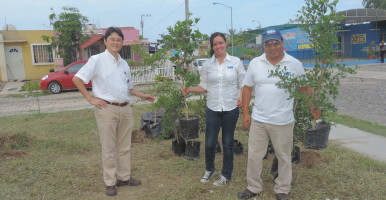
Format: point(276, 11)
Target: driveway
point(67, 100)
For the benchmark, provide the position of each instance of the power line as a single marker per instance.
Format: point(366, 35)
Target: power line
point(165, 17)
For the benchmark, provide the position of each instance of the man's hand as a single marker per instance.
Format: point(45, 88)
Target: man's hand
point(185, 91)
point(316, 112)
point(247, 121)
point(99, 103)
point(149, 97)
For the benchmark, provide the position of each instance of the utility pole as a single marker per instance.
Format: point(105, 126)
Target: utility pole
point(143, 15)
point(186, 9)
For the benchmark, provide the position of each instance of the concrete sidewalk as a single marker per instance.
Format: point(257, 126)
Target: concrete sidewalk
point(12, 87)
point(368, 144)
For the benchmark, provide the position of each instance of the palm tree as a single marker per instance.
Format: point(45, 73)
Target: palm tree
point(381, 4)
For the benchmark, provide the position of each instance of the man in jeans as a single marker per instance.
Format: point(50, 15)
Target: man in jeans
point(112, 90)
point(382, 49)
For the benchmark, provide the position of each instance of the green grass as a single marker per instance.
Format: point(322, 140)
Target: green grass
point(353, 122)
point(59, 158)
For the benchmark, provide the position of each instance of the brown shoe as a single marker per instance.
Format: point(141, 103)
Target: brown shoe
point(282, 196)
point(131, 182)
point(246, 194)
point(111, 191)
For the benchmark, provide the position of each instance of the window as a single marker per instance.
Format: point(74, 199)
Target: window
point(125, 52)
point(75, 68)
point(42, 54)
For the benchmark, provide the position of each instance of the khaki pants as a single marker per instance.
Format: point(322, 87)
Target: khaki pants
point(282, 141)
point(115, 126)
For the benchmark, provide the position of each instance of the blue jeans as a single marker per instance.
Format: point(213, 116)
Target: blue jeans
point(214, 121)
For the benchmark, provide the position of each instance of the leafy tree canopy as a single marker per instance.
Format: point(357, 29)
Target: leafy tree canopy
point(67, 27)
point(381, 4)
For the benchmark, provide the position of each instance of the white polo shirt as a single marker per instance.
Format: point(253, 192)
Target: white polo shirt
point(222, 82)
point(111, 79)
point(271, 103)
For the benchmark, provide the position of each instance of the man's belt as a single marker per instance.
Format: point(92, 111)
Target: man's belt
point(116, 104)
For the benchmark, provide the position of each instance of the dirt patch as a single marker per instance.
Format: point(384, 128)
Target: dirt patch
point(11, 154)
point(309, 159)
point(138, 136)
point(12, 146)
point(2, 85)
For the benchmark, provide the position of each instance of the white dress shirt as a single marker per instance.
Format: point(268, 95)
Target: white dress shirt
point(222, 82)
point(111, 78)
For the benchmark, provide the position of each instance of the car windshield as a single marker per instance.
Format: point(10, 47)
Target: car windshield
point(200, 62)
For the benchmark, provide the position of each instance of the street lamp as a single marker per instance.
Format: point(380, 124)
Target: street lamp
point(230, 7)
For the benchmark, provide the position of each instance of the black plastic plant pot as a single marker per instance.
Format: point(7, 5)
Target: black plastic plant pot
point(192, 151)
point(178, 146)
point(275, 164)
point(238, 148)
point(317, 139)
point(296, 155)
point(189, 127)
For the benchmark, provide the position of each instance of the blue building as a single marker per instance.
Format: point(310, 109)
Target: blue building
point(358, 37)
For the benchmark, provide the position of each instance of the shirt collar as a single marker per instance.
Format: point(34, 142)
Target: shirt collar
point(213, 58)
point(284, 59)
point(112, 57)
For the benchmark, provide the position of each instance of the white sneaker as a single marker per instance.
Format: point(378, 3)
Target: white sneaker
point(221, 181)
point(206, 176)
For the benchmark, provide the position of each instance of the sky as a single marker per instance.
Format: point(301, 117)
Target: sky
point(157, 15)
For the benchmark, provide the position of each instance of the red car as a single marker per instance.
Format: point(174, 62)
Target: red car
point(55, 82)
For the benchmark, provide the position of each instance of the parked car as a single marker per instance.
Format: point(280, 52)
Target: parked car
point(55, 82)
point(197, 64)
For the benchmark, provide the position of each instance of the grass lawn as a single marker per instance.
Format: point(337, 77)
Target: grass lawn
point(57, 156)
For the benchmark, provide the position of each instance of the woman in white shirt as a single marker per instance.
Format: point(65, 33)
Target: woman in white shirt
point(221, 78)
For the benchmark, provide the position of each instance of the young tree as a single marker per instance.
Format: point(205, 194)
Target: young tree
point(184, 40)
point(319, 20)
point(67, 27)
point(381, 4)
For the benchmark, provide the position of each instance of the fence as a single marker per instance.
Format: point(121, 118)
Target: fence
point(147, 74)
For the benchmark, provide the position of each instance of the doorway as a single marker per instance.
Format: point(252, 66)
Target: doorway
point(14, 62)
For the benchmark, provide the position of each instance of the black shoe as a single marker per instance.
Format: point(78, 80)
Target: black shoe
point(111, 191)
point(246, 194)
point(282, 196)
point(131, 182)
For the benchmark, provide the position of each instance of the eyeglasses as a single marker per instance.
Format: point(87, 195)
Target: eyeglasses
point(272, 42)
point(115, 40)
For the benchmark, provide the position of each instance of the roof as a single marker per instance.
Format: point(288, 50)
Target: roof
point(279, 27)
point(92, 40)
point(130, 42)
point(122, 28)
point(96, 37)
point(363, 15)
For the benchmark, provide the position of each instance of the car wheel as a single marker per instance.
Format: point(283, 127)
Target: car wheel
point(54, 87)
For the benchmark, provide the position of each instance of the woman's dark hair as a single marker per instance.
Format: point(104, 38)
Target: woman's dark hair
point(212, 38)
point(111, 30)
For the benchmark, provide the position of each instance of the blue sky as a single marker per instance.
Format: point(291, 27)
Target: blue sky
point(247, 14)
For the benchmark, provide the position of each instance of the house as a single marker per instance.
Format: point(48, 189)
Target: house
point(96, 45)
point(24, 54)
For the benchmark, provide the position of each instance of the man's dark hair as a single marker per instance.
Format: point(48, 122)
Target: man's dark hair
point(111, 30)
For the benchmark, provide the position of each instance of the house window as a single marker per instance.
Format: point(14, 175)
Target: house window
point(125, 52)
point(41, 54)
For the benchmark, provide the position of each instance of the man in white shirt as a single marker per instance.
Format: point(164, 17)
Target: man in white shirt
point(112, 89)
point(272, 116)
